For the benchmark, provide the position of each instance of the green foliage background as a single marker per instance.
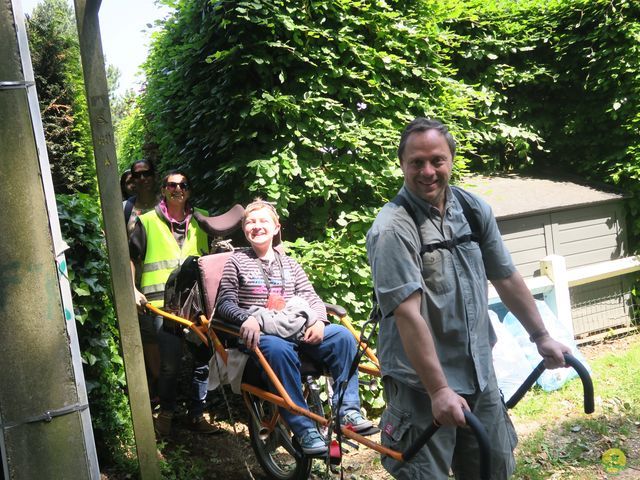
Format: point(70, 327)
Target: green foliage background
point(567, 72)
point(90, 280)
point(55, 54)
point(302, 103)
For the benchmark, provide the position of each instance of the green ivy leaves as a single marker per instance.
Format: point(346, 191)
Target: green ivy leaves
point(90, 281)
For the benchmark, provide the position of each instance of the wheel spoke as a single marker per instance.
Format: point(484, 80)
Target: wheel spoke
point(284, 440)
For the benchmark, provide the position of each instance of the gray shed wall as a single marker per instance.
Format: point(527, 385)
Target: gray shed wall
point(583, 235)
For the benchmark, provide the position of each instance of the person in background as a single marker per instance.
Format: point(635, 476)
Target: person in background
point(143, 175)
point(161, 240)
point(268, 294)
point(434, 345)
point(127, 185)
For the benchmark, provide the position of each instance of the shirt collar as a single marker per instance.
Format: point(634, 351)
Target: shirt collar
point(425, 207)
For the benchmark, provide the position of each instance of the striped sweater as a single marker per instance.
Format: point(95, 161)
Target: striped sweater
point(242, 285)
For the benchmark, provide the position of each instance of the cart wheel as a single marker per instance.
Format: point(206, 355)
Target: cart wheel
point(277, 454)
point(312, 389)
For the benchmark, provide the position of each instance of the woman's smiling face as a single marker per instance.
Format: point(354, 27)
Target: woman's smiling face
point(173, 190)
point(260, 227)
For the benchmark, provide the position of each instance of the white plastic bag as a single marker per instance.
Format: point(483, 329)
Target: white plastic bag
point(550, 379)
point(509, 361)
point(229, 373)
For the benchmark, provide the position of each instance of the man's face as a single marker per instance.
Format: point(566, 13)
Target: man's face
point(426, 164)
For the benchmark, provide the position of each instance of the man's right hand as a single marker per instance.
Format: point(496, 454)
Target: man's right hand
point(447, 407)
point(250, 333)
point(141, 300)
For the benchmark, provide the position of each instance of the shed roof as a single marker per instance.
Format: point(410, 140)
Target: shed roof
point(512, 195)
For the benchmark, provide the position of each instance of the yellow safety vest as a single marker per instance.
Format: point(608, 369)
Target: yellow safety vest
point(163, 254)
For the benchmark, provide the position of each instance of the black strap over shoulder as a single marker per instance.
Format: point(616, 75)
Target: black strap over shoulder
point(472, 220)
point(128, 208)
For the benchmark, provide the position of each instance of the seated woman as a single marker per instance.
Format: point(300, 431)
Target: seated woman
point(268, 294)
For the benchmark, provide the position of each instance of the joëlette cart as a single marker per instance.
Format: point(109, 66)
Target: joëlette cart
point(274, 445)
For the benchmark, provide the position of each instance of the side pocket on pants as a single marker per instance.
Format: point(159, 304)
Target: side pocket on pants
point(394, 423)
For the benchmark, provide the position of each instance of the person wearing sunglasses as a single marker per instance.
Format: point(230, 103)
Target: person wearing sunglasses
point(161, 240)
point(143, 175)
point(268, 294)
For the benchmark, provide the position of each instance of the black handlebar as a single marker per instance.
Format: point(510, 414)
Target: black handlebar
point(587, 384)
point(478, 430)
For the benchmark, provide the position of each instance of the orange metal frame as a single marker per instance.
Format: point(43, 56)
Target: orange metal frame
point(207, 332)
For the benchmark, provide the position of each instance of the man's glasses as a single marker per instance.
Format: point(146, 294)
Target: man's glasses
point(142, 173)
point(174, 185)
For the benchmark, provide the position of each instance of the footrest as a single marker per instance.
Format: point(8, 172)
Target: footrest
point(334, 453)
point(316, 455)
point(369, 431)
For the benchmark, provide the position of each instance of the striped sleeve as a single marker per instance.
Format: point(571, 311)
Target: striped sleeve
point(228, 307)
point(242, 286)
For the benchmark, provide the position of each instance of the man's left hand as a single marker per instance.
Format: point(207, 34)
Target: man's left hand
point(314, 334)
point(552, 352)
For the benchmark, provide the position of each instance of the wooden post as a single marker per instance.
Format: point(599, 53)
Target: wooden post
point(559, 300)
point(95, 80)
point(44, 417)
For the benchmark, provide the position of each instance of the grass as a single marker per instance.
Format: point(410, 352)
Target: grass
point(559, 441)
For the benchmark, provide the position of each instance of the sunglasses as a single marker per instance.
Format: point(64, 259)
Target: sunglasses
point(143, 173)
point(174, 185)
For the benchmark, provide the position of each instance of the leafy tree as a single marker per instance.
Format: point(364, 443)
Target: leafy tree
point(56, 62)
point(129, 128)
point(302, 103)
point(128, 123)
point(113, 82)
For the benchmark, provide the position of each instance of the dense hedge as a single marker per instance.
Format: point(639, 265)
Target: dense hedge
point(569, 73)
point(97, 329)
point(302, 103)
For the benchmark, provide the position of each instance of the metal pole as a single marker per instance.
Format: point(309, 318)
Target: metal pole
point(95, 80)
point(44, 417)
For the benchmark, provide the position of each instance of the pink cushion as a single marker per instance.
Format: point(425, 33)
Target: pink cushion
point(211, 267)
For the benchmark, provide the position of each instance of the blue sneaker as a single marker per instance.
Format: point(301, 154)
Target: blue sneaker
point(353, 420)
point(312, 442)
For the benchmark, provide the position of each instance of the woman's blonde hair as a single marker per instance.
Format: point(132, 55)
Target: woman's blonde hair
point(259, 204)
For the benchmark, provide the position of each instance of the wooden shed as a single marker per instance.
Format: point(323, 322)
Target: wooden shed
point(584, 224)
